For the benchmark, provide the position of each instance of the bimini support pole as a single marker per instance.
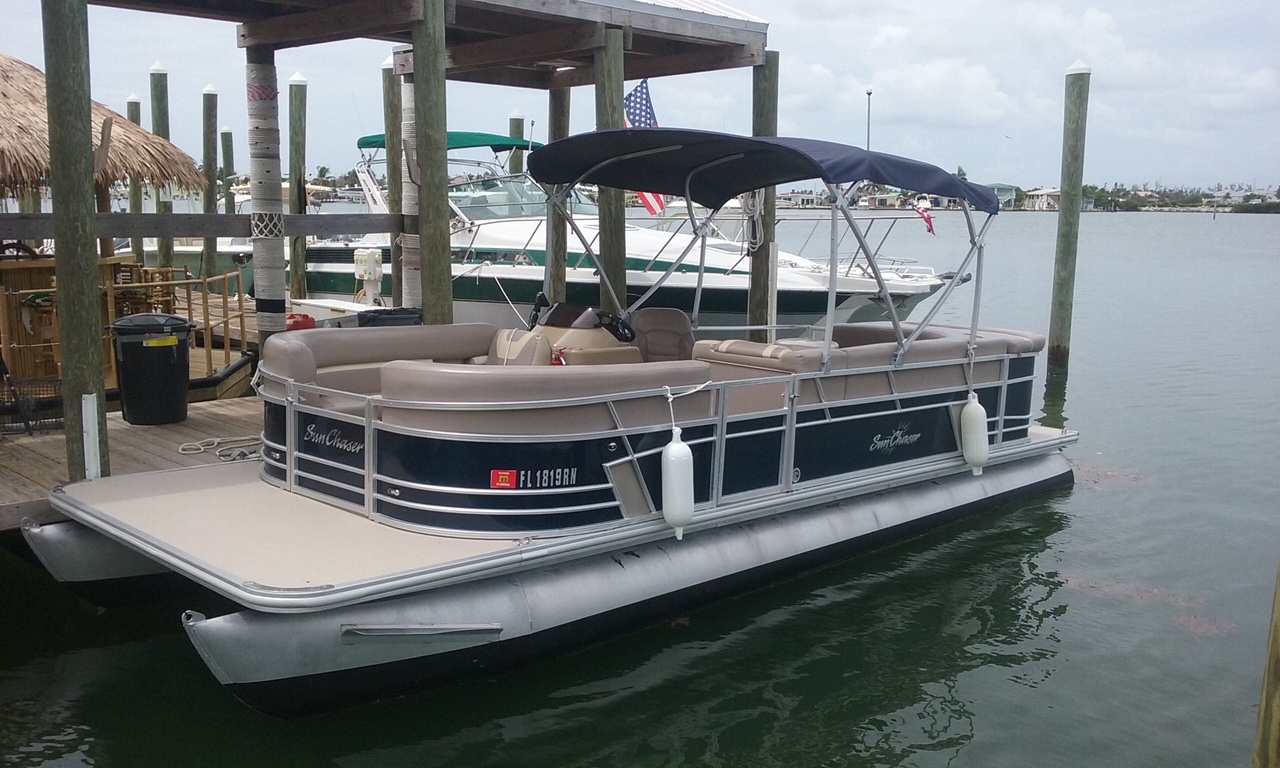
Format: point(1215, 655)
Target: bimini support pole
point(977, 241)
point(843, 205)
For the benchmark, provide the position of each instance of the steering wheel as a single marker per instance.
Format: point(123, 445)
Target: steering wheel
point(617, 327)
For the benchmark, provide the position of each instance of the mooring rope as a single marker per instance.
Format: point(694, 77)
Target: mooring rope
point(225, 448)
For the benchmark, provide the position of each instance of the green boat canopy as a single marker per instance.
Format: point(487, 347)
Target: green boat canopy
point(460, 140)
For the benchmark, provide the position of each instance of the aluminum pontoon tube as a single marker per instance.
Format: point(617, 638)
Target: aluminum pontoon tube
point(374, 649)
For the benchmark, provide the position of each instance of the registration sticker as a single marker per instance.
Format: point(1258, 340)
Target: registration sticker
point(163, 341)
point(502, 478)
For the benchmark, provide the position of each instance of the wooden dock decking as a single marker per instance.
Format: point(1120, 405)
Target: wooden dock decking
point(31, 465)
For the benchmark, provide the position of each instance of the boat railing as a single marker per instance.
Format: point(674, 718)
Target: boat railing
point(727, 420)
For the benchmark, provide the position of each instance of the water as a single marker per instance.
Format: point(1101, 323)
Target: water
point(1121, 623)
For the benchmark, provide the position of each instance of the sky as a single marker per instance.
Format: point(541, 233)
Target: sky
point(1182, 93)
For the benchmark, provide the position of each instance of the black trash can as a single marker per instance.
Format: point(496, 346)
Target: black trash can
point(152, 351)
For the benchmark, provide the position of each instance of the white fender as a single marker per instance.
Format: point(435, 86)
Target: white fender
point(973, 434)
point(677, 483)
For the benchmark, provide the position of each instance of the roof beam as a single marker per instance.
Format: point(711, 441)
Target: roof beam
point(524, 49)
point(363, 18)
point(637, 68)
point(689, 25)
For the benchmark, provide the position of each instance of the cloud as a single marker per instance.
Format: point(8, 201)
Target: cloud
point(1185, 91)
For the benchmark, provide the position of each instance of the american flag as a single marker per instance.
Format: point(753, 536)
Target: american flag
point(637, 112)
point(923, 212)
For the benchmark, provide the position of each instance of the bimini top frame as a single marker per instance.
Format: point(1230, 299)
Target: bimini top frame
point(711, 168)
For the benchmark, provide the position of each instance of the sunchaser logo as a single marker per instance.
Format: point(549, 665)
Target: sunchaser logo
point(900, 436)
point(332, 439)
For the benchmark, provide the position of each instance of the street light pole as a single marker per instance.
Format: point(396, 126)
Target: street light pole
point(868, 147)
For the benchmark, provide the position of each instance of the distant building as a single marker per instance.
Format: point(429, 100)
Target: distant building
point(1043, 200)
point(802, 199)
point(1007, 194)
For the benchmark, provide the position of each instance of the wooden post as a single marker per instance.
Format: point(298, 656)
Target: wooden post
point(160, 127)
point(1266, 750)
point(613, 211)
point(209, 253)
point(1064, 266)
point(391, 109)
point(265, 220)
point(29, 202)
point(764, 122)
point(228, 172)
point(298, 182)
point(66, 55)
point(557, 228)
point(134, 109)
point(410, 242)
point(432, 144)
point(515, 129)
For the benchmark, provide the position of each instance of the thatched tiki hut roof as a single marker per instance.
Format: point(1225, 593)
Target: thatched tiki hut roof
point(132, 153)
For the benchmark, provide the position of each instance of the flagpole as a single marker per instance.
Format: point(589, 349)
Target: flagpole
point(868, 147)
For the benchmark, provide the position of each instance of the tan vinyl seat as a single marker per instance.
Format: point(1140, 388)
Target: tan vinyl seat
point(662, 334)
point(514, 346)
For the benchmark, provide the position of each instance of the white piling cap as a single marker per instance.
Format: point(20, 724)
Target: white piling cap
point(209, 90)
point(517, 115)
point(389, 63)
point(158, 69)
point(133, 97)
point(226, 129)
point(297, 79)
point(1079, 68)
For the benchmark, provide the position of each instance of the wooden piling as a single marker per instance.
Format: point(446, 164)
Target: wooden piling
point(228, 172)
point(29, 201)
point(1064, 267)
point(410, 245)
point(265, 221)
point(298, 182)
point(611, 201)
point(553, 283)
point(429, 104)
point(66, 55)
point(160, 127)
point(209, 251)
point(764, 122)
point(1266, 750)
point(391, 110)
point(515, 129)
point(133, 109)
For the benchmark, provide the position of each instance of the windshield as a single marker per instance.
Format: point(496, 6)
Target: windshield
point(500, 197)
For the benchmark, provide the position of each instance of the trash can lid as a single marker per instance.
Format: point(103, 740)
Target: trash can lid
point(151, 322)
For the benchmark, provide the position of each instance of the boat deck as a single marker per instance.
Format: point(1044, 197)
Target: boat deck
point(226, 523)
point(30, 465)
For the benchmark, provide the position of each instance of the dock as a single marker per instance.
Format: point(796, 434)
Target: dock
point(31, 465)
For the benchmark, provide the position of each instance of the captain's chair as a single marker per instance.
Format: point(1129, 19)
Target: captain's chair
point(514, 346)
point(662, 334)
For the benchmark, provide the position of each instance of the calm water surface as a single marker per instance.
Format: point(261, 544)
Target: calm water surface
point(1121, 623)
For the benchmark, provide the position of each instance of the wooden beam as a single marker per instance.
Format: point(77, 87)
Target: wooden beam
point(638, 67)
point(39, 226)
point(525, 49)
point(362, 18)
point(66, 48)
point(509, 76)
point(764, 122)
point(671, 22)
point(392, 114)
point(613, 243)
point(429, 107)
point(557, 229)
